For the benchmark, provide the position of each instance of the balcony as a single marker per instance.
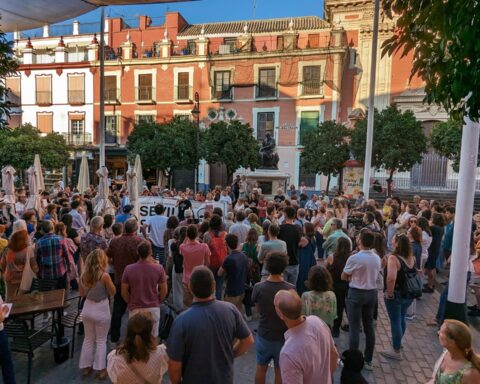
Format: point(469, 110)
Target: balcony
point(145, 94)
point(77, 140)
point(76, 97)
point(44, 98)
point(14, 99)
point(263, 91)
point(312, 89)
point(183, 93)
point(223, 94)
point(111, 95)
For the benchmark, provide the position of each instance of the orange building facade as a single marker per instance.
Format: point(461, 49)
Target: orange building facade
point(279, 75)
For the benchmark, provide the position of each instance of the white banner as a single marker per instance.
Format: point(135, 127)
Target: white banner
point(147, 207)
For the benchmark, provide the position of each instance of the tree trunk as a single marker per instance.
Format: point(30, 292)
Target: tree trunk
point(389, 183)
point(328, 183)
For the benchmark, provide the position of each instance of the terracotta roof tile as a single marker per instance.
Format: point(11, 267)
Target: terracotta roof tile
point(256, 26)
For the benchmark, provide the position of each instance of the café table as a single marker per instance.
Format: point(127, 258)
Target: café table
point(41, 302)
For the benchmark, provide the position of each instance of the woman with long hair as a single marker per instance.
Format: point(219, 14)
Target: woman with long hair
point(399, 263)
point(139, 359)
point(61, 230)
point(335, 265)
point(459, 364)
point(437, 228)
point(13, 260)
point(95, 286)
point(422, 223)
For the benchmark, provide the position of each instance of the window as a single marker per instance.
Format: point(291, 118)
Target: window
point(43, 90)
point(14, 120)
point(111, 129)
point(265, 123)
point(110, 89)
point(311, 80)
point(145, 119)
point(222, 85)
point(45, 122)
point(76, 89)
point(280, 44)
point(267, 83)
point(13, 86)
point(191, 47)
point(183, 86)
point(231, 42)
point(145, 89)
point(308, 122)
point(314, 41)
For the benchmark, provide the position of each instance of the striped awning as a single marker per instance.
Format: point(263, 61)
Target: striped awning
point(29, 14)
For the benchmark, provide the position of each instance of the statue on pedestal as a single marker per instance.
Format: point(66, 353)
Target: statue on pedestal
point(268, 154)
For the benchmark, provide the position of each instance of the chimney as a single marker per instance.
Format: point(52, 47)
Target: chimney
point(76, 27)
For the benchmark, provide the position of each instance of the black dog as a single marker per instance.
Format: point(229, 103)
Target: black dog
point(352, 367)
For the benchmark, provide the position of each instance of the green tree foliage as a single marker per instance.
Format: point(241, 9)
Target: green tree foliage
point(446, 139)
point(232, 144)
point(446, 49)
point(325, 149)
point(8, 66)
point(19, 146)
point(398, 141)
point(166, 146)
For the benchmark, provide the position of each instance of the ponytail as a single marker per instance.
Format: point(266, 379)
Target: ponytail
point(474, 358)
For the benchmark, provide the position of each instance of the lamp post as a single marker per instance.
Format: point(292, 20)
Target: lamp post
point(196, 115)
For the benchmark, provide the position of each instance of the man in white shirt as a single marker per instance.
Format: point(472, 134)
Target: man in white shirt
point(362, 270)
point(239, 228)
point(20, 205)
point(157, 225)
point(224, 197)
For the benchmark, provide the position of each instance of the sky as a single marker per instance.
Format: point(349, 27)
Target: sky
point(216, 10)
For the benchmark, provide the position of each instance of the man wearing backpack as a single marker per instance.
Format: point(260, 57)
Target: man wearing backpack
point(215, 239)
point(361, 270)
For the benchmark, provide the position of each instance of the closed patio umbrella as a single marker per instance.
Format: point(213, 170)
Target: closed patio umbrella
point(34, 199)
point(132, 188)
point(8, 175)
point(103, 205)
point(139, 172)
point(39, 174)
point(84, 176)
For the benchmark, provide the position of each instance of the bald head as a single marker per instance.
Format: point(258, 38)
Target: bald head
point(288, 304)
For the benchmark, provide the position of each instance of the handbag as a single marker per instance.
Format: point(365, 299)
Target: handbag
point(380, 281)
point(28, 275)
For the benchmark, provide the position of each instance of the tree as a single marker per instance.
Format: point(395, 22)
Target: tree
point(446, 139)
point(398, 141)
point(232, 144)
point(325, 149)
point(19, 146)
point(166, 146)
point(8, 66)
point(445, 50)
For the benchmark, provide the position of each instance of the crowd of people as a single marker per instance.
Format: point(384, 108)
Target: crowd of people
point(307, 267)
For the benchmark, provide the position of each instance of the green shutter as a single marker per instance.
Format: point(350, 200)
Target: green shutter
point(308, 122)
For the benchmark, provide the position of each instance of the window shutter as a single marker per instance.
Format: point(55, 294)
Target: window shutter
point(45, 122)
point(76, 116)
point(15, 120)
point(183, 78)
point(13, 86)
point(145, 80)
point(44, 89)
point(110, 82)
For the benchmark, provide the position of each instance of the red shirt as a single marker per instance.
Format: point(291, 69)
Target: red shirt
point(123, 251)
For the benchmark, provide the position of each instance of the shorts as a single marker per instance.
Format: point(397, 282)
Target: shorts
point(268, 350)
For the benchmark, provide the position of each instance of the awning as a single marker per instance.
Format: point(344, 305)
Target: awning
point(29, 14)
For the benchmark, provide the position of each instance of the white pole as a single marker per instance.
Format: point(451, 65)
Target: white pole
point(371, 104)
point(463, 212)
point(102, 89)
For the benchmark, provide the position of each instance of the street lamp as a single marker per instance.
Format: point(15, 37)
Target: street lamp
point(196, 115)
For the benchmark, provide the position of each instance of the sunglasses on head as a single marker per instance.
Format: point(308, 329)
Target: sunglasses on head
point(413, 221)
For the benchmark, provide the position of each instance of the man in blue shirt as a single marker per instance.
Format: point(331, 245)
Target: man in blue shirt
point(205, 339)
point(123, 217)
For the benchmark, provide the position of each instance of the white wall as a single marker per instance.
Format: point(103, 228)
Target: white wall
point(60, 106)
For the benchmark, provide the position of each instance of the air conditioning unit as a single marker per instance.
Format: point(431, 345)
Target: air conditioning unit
point(224, 49)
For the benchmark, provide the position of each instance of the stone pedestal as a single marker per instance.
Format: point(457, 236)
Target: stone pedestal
point(268, 180)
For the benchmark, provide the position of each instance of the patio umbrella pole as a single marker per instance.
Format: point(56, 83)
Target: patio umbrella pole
point(102, 89)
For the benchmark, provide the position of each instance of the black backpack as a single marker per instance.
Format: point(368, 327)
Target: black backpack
point(412, 285)
point(167, 316)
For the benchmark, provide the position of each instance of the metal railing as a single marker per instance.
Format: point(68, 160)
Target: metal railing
point(76, 97)
point(223, 94)
point(433, 173)
point(43, 97)
point(14, 99)
point(78, 139)
point(111, 95)
point(183, 93)
point(312, 88)
point(144, 93)
point(265, 91)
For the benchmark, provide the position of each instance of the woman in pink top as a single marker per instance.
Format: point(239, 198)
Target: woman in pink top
point(194, 254)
